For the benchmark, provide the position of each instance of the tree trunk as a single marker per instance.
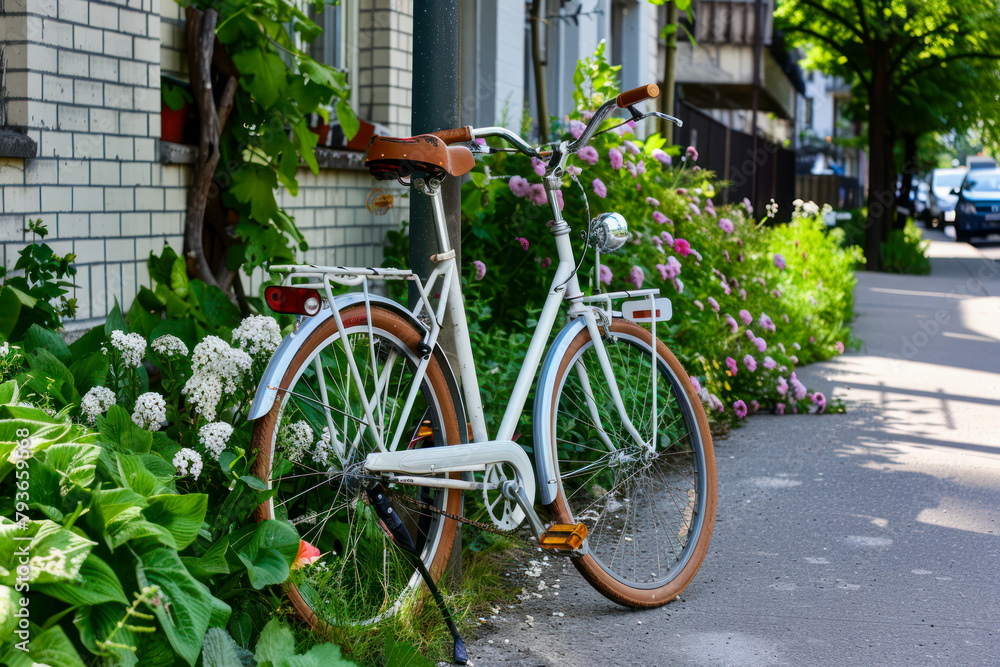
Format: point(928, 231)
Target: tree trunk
point(669, 73)
point(538, 67)
point(881, 193)
point(201, 46)
point(908, 171)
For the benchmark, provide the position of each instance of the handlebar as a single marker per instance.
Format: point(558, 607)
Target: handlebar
point(624, 100)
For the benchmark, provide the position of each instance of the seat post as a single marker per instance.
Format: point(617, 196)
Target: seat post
point(432, 188)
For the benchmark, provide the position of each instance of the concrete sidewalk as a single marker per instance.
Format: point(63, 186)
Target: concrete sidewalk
point(871, 537)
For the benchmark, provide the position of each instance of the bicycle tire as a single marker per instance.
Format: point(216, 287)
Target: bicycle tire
point(349, 596)
point(677, 484)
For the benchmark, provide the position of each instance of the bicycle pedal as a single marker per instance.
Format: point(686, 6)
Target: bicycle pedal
point(563, 536)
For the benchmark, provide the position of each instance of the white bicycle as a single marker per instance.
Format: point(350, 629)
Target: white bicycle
point(363, 431)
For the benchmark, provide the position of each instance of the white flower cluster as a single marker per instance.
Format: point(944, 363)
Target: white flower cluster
point(150, 411)
point(298, 438)
point(214, 437)
point(257, 334)
point(169, 346)
point(96, 402)
point(217, 368)
point(323, 448)
point(4, 349)
point(132, 347)
point(188, 462)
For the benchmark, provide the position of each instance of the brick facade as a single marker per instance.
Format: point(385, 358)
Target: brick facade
point(83, 79)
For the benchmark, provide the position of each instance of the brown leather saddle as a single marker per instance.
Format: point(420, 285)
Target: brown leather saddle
point(390, 158)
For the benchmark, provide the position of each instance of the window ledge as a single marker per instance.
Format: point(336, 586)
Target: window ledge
point(17, 145)
point(171, 153)
point(332, 158)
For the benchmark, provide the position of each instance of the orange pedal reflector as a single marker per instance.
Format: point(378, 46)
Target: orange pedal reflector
point(563, 536)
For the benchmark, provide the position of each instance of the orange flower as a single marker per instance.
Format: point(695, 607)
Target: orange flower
point(307, 554)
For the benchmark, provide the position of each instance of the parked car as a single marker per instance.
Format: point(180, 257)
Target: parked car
point(978, 209)
point(940, 200)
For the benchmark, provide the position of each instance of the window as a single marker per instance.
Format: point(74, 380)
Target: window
point(327, 48)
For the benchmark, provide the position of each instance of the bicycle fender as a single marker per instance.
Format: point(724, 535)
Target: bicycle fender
point(267, 390)
point(545, 463)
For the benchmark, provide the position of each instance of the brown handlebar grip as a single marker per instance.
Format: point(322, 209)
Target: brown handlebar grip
point(636, 95)
point(455, 136)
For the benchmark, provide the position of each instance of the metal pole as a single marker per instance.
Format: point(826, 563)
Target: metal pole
point(758, 49)
point(436, 106)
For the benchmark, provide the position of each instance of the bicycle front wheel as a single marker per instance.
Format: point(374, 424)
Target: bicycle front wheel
point(361, 578)
point(649, 510)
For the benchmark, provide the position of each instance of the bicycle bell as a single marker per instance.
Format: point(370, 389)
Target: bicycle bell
point(609, 232)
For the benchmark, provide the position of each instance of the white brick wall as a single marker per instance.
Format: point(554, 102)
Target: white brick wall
point(84, 79)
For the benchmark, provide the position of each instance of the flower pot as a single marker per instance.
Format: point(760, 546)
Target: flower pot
point(172, 123)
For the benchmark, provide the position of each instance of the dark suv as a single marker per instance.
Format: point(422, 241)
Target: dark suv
point(978, 210)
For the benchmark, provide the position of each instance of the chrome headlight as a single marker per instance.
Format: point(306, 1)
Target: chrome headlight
point(609, 232)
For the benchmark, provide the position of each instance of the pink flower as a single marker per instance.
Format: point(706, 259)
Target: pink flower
point(661, 157)
point(812, 340)
point(536, 195)
point(748, 205)
point(523, 241)
point(631, 148)
point(682, 191)
point(599, 189)
point(667, 238)
point(786, 314)
point(307, 554)
point(779, 261)
point(657, 241)
point(630, 166)
point(715, 404)
point(682, 247)
point(819, 400)
point(694, 208)
point(732, 323)
point(698, 304)
point(670, 270)
point(641, 167)
point(660, 218)
point(761, 344)
point(588, 154)
point(780, 408)
point(615, 156)
point(750, 363)
point(743, 294)
point(678, 284)
point(769, 363)
point(605, 275)
point(636, 276)
point(695, 384)
point(740, 408)
point(726, 255)
point(480, 269)
point(575, 171)
point(754, 405)
point(731, 363)
point(751, 335)
point(519, 186)
point(725, 286)
point(746, 316)
point(839, 347)
point(713, 303)
point(576, 128)
point(546, 263)
point(538, 166)
point(726, 225)
point(776, 293)
point(652, 202)
point(766, 324)
point(793, 359)
point(692, 153)
point(799, 388)
point(782, 386)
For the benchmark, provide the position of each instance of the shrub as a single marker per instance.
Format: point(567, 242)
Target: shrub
point(906, 251)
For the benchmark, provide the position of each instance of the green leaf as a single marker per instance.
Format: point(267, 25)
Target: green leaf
point(76, 462)
point(187, 603)
point(97, 583)
point(212, 562)
point(348, 121)
point(254, 482)
point(88, 343)
point(266, 567)
point(10, 392)
point(263, 75)
point(401, 653)
point(220, 312)
point(39, 338)
point(115, 501)
point(255, 185)
point(89, 372)
point(119, 429)
point(181, 515)
point(115, 321)
point(10, 308)
point(51, 648)
point(270, 553)
point(97, 622)
point(276, 642)
point(178, 278)
point(219, 650)
point(55, 554)
point(137, 477)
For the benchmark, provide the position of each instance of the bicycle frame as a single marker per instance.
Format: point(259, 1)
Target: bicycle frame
point(408, 466)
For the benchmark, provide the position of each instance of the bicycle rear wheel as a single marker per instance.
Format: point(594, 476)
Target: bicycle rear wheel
point(361, 578)
point(649, 514)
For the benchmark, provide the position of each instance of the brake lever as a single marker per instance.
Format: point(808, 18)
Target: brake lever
point(636, 116)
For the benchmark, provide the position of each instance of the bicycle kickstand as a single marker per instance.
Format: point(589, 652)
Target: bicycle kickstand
point(397, 532)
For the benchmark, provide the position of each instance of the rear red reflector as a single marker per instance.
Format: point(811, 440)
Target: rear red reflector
point(292, 300)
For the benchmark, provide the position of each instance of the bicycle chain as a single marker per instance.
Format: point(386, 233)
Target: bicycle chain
point(419, 504)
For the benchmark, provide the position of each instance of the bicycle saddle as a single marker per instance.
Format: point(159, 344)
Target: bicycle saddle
point(389, 158)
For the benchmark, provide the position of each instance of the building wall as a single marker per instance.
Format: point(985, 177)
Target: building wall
point(83, 79)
